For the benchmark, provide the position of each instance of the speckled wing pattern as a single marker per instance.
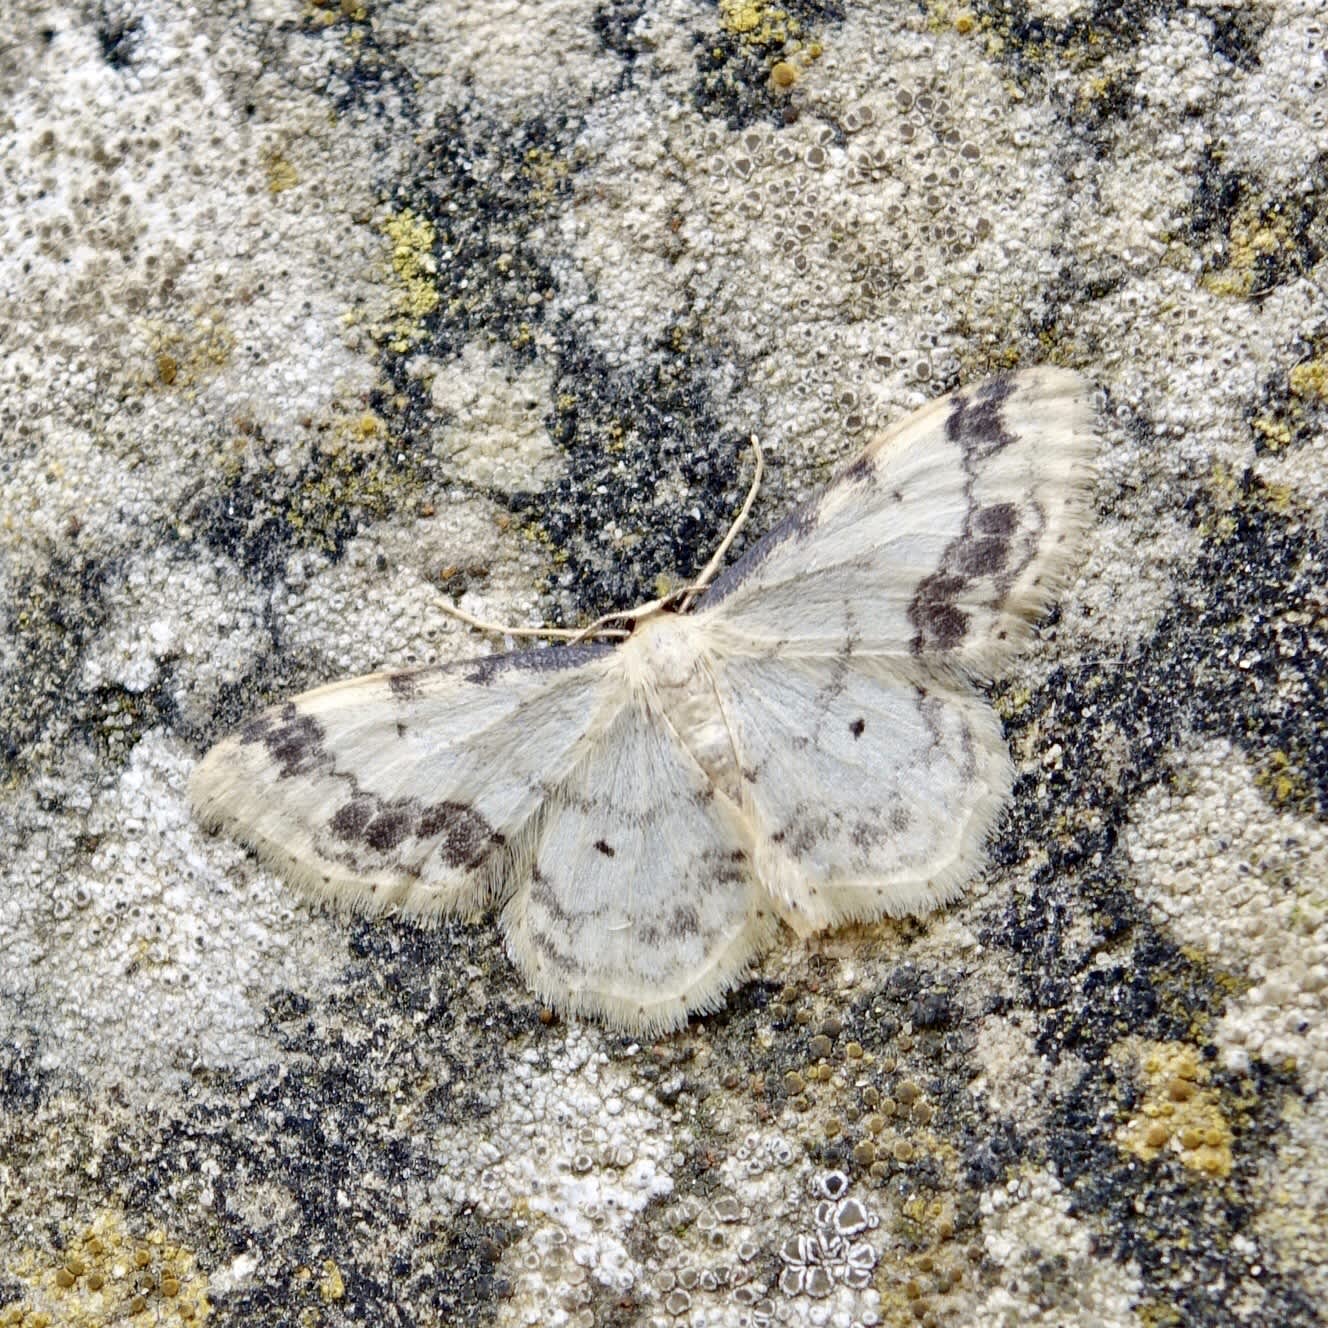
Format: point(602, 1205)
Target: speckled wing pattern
point(806, 746)
point(408, 791)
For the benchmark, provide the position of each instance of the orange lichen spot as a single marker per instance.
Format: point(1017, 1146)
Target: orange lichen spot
point(1156, 1135)
point(783, 75)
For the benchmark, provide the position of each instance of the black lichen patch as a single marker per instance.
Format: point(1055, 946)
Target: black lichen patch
point(484, 189)
point(333, 1156)
point(1238, 32)
point(260, 515)
point(1097, 46)
point(365, 75)
point(652, 475)
point(22, 1080)
point(648, 459)
point(115, 718)
point(1241, 656)
point(616, 25)
point(466, 1278)
point(11, 1291)
point(48, 619)
point(1193, 1240)
point(1254, 240)
point(118, 35)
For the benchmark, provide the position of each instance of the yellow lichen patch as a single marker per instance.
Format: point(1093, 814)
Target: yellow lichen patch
point(945, 15)
point(1253, 236)
point(322, 13)
point(106, 1274)
point(1275, 433)
point(344, 481)
point(546, 173)
point(757, 23)
point(182, 357)
point(331, 1286)
point(1309, 379)
point(325, 13)
point(1284, 782)
point(281, 175)
point(367, 429)
point(1178, 1112)
point(915, 1282)
point(416, 271)
point(1014, 702)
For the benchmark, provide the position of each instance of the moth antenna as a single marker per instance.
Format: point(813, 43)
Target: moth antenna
point(717, 558)
point(686, 596)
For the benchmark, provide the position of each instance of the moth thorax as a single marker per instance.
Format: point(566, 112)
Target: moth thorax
point(668, 653)
point(672, 664)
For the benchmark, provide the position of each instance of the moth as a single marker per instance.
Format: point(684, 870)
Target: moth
point(797, 741)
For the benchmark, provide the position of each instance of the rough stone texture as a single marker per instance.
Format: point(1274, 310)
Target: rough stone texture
point(312, 315)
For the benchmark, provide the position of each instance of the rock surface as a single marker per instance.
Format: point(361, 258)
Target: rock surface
point(310, 316)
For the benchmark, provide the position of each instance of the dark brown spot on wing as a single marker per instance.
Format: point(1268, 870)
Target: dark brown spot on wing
point(685, 922)
point(604, 848)
point(389, 826)
point(797, 526)
point(939, 624)
point(858, 727)
point(975, 569)
point(997, 519)
point(977, 423)
point(551, 954)
point(982, 556)
point(860, 471)
point(548, 660)
point(545, 897)
point(465, 837)
point(352, 819)
point(404, 685)
point(293, 741)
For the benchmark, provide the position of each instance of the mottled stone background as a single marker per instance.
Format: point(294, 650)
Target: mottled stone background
point(315, 314)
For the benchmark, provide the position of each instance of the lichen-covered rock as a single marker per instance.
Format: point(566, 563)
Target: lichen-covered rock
point(309, 318)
